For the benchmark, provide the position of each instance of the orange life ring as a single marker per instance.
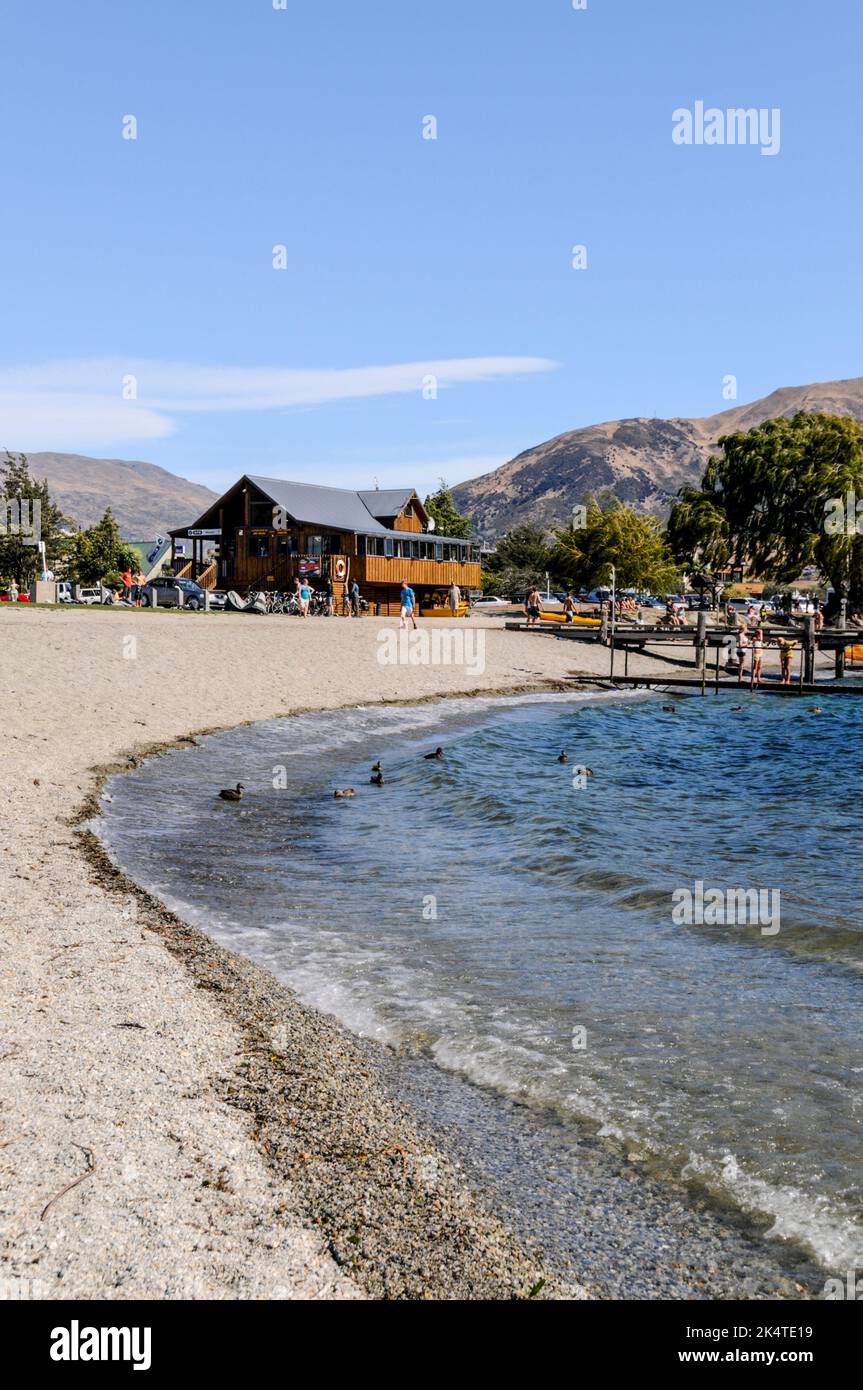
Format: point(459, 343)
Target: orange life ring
point(341, 567)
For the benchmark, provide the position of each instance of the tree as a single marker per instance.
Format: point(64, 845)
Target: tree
point(448, 520)
point(520, 560)
point(613, 534)
point(27, 505)
point(783, 496)
point(101, 552)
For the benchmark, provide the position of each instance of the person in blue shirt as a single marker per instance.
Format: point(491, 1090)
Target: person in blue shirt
point(408, 605)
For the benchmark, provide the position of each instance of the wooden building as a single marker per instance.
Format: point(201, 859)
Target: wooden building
point(263, 533)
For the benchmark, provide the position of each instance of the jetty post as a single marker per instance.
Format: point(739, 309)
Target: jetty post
point(809, 648)
point(701, 647)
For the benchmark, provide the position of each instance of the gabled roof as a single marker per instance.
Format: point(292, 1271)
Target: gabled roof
point(387, 501)
point(333, 507)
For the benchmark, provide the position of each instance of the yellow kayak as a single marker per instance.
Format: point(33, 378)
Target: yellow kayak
point(440, 611)
point(855, 653)
point(561, 617)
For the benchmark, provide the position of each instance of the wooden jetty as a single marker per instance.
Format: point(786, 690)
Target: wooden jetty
point(702, 640)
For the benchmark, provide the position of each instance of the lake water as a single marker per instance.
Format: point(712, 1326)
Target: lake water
point(512, 921)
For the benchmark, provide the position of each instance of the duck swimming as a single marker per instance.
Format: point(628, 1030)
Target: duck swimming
point(344, 791)
point(232, 793)
point(377, 767)
point(563, 758)
point(668, 709)
point(584, 771)
point(377, 779)
point(438, 753)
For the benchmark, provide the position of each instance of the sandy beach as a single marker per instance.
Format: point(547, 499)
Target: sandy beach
point(227, 1139)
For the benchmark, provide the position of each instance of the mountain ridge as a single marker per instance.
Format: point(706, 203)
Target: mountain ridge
point(643, 460)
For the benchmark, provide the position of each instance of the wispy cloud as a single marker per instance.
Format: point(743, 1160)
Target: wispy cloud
point(97, 402)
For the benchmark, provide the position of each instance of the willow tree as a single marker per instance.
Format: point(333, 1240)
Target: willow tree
point(783, 496)
point(613, 534)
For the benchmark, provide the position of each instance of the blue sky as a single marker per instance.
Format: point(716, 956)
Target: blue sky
point(407, 257)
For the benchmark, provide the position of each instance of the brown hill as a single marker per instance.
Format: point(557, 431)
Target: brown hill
point(643, 461)
point(144, 498)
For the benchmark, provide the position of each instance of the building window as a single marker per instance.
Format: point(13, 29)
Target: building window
point(259, 547)
point(438, 550)
point(260, 513)
point(388, 546)
point(415, 549)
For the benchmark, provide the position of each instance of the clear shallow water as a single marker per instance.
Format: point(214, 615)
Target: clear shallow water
point(714, 1052)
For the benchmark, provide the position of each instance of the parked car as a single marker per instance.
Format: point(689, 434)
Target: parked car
point(217, 598)
point(167, 589)
point(95, 594)
point(64, 592)
point(491, 601)
point(601, 595)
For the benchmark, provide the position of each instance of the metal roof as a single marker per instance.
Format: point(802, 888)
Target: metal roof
point(333, 508)
point(387, 501)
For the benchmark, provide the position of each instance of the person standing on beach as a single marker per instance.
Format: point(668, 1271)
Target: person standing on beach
point(454, 598)
point(330, 596)
point(126, 577)
point(568, 608)
point(138, 587)
point(355, 599)
point(533, 607)
point(304, 596)
point(408, 603)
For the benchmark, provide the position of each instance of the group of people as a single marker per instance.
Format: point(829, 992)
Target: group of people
point(754, 641)
point(408, 603)
point(133, 588)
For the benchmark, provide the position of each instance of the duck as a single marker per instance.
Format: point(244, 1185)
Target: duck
point(377, 767)
point(343, 791)
point(817, 709)
point(668, 709)
point(232, 793)
point(584, 771)
point(563, 758)
point(377, 779)
point(438, 753)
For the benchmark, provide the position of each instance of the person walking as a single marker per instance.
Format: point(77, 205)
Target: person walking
point(330, 596)
point(355, 599)
point(304, 596)
point(454, 598)
point(568, 608)
point(408, 605)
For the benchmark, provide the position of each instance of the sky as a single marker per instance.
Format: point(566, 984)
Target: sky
point(283, 273)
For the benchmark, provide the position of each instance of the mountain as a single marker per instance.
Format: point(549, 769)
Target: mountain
point(144, 498)
point(643, 461)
